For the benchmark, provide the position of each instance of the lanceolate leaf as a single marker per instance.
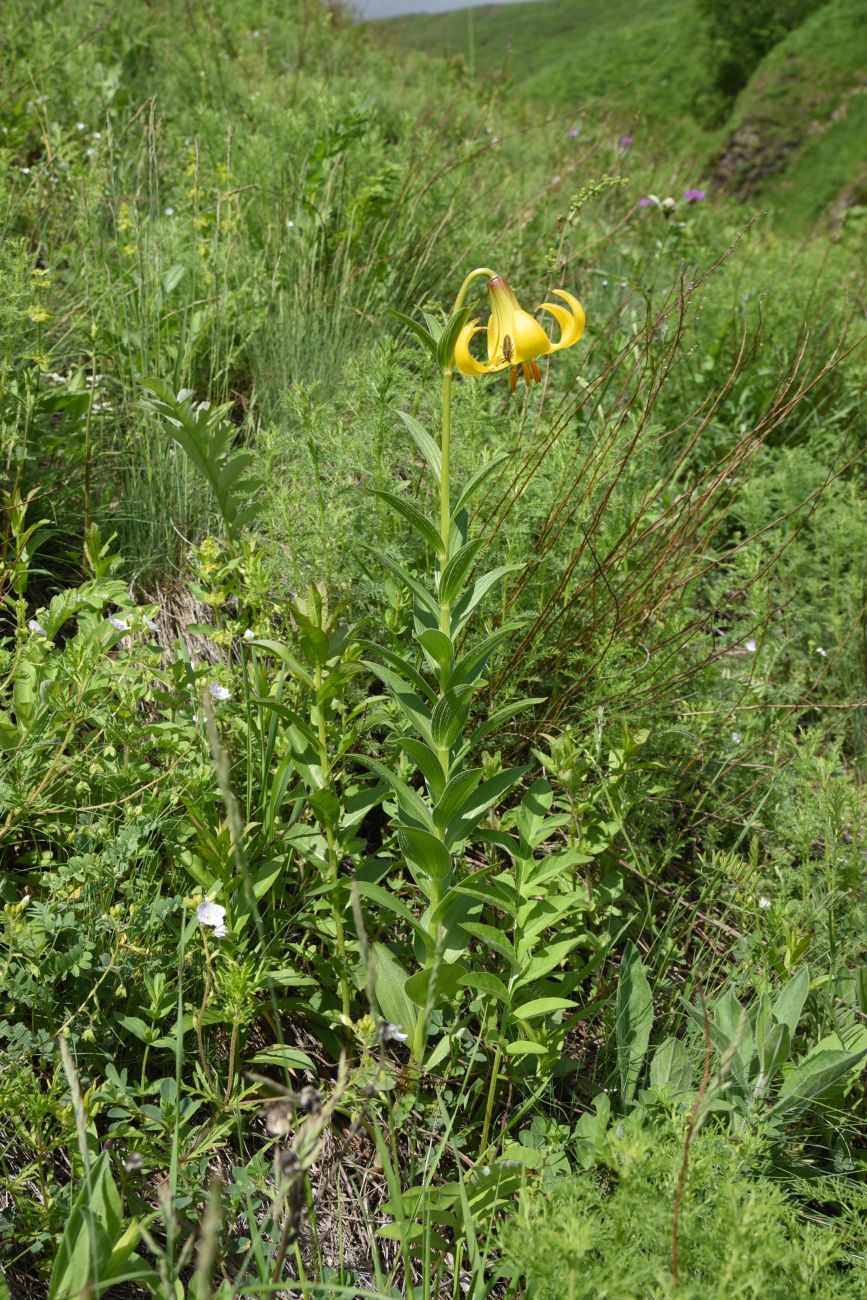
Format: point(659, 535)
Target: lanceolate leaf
point(450, 714)
point(419, 521)
point(496, 720)
point(206, 437)
point(424, 442)
point(414, 709)
point(389, 989)
point(449, 337)
point(455, 573)
point(477, 592)
point(418, 330)
point(425, 851)
point(457, 795)
point(484, 797)
point(418, 589)
point(472, 664)
point(475, 482)
point(410, 802)
point(427, 763)
point(634, 1020)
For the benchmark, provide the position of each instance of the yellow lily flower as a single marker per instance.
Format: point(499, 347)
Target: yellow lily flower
point(515, 339)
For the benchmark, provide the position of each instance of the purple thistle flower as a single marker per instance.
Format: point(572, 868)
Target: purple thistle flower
point(694, 196)
point(626, 141)
point(645, 203)
point(574, 131)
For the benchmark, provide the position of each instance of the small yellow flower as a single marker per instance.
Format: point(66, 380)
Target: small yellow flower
point(515, 339)
point(38, 314)
point(124, 220)
point(40, 278)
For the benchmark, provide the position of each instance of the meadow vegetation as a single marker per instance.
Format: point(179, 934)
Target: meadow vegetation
point(431, 817)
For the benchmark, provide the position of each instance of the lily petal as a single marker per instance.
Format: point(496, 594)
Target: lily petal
point(571, 321)
point(464, 359)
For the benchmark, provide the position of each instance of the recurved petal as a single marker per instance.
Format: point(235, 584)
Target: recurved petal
point(464, 359)
point(571, 321)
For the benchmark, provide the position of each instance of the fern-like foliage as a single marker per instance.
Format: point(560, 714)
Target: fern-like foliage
point(205, 434)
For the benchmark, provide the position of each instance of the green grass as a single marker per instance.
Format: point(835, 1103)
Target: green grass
point(635, 65)
point(215, 684)
point(795, 139)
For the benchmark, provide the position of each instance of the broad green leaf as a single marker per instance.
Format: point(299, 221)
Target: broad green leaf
point(414, 516)
point(774, 1052)
point(456, 795)
point(523, 1047)
point(426, 761)
point(532, 812)
point(413, 708)
point(426, 852)
point(553, 955)
point(389, 989)
point(634, 1019)
point(418, 589)
point(492, 938)
point(431, 986)
point(790, 1000)
point(281, 1057)
point(401, 665)
point(391, 903)
point(670, 1067)
point(483, 798)
point(814, 1076)
point(450, 715)
point(410, 802)
point(455, 573)
point(486, 982)
point(537, 1007)
point(472, 664)
point(439, 647)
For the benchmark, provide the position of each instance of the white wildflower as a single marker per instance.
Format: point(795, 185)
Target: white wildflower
point(390, 1033)
point(219, 692)
point(214, 915)
point(820, 650)
point(750, 646)
point(764, 903)
point(36, 626)
point(249, 634)
point(737, 737)
point(151, 624)
point(119, 624)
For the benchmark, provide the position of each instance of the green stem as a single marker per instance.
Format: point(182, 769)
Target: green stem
point(489, 1108)
point(445, 619)
point(446, 445)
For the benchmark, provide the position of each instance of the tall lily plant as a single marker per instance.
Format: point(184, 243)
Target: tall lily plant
point(443, 799)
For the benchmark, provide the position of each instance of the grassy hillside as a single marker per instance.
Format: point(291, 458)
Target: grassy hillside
point(628, 59)
point(427, 799)
point(797, 135)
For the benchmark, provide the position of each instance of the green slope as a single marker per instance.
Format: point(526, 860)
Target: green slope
point(629, 57)
point(797, 135)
